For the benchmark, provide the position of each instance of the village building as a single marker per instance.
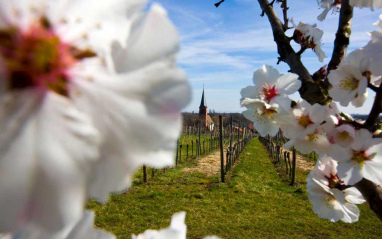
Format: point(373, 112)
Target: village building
point(206, 120)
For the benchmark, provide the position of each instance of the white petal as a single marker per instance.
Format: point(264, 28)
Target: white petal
point(349, 172)
point(139, 128)
point(266, 74)
point(249, 92)
point(85, 229)
point(372, 171)
point(288, 84)
point(363, 140)
point(373, 50)
point(352, 195)
point(320, 53)
point(47, 187)
point(177, 230)
point(177, 222)
point(351, 213)
point(262, 123)
point(152, 38)
point(319, 113)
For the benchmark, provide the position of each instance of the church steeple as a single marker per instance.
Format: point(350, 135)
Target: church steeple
point(203, 103)
point(203, 106)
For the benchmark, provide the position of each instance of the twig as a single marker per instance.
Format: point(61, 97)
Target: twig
point(310, 91)
point(285, 13)
point(218, 3)
point(301, 50)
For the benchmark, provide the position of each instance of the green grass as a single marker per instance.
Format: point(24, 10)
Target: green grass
point(254, 203)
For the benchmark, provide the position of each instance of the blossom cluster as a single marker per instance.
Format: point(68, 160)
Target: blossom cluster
point(347, 151)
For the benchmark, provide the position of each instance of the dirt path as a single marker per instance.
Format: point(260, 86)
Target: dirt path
point(209, 165)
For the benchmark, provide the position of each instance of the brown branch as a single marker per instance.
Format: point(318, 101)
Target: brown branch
point(342, 36)
point(284, 6)
point(310, 91)
point(372, 194)
point(372, 87)
point(302, 50)
point(375, 110)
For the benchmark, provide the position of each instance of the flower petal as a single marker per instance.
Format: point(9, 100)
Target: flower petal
point(266, 74)
point(288, 84)
point(44, 182)
point(140, 125)
point(152, 38)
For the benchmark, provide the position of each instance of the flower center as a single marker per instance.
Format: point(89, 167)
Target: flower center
point(349, 84)
point(268, 111)
point(334, 181)
point(344, 135)
point(269, 92)
point(312, 44)
point(312, 137)
point(37, 57)
point(328, 200)
point(359, 157)
point(304, 121)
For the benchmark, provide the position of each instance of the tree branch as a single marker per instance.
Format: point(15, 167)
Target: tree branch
point(375, 110)
point(372, 87)
point(311, 91)
point(342, 36)
point(372, 194)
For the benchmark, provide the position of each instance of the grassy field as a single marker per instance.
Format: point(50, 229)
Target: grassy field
point(254, 203)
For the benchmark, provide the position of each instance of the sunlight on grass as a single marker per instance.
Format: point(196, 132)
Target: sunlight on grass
point(254, 203)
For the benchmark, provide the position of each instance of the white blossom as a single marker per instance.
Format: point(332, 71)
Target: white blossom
point(343, 135)
point(79, 112)
point(272, 87)
point(262, 115)
point(304, 127)
point(351, 78)
point(329, 198)
point(309, 36)
point(362, 160)
point(328, 5)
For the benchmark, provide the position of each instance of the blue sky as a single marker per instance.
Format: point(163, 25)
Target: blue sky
point(221, 47)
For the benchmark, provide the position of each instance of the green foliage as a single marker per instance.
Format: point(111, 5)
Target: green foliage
point(254, 203)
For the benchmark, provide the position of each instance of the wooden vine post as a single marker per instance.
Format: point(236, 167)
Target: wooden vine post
point(221, 148)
